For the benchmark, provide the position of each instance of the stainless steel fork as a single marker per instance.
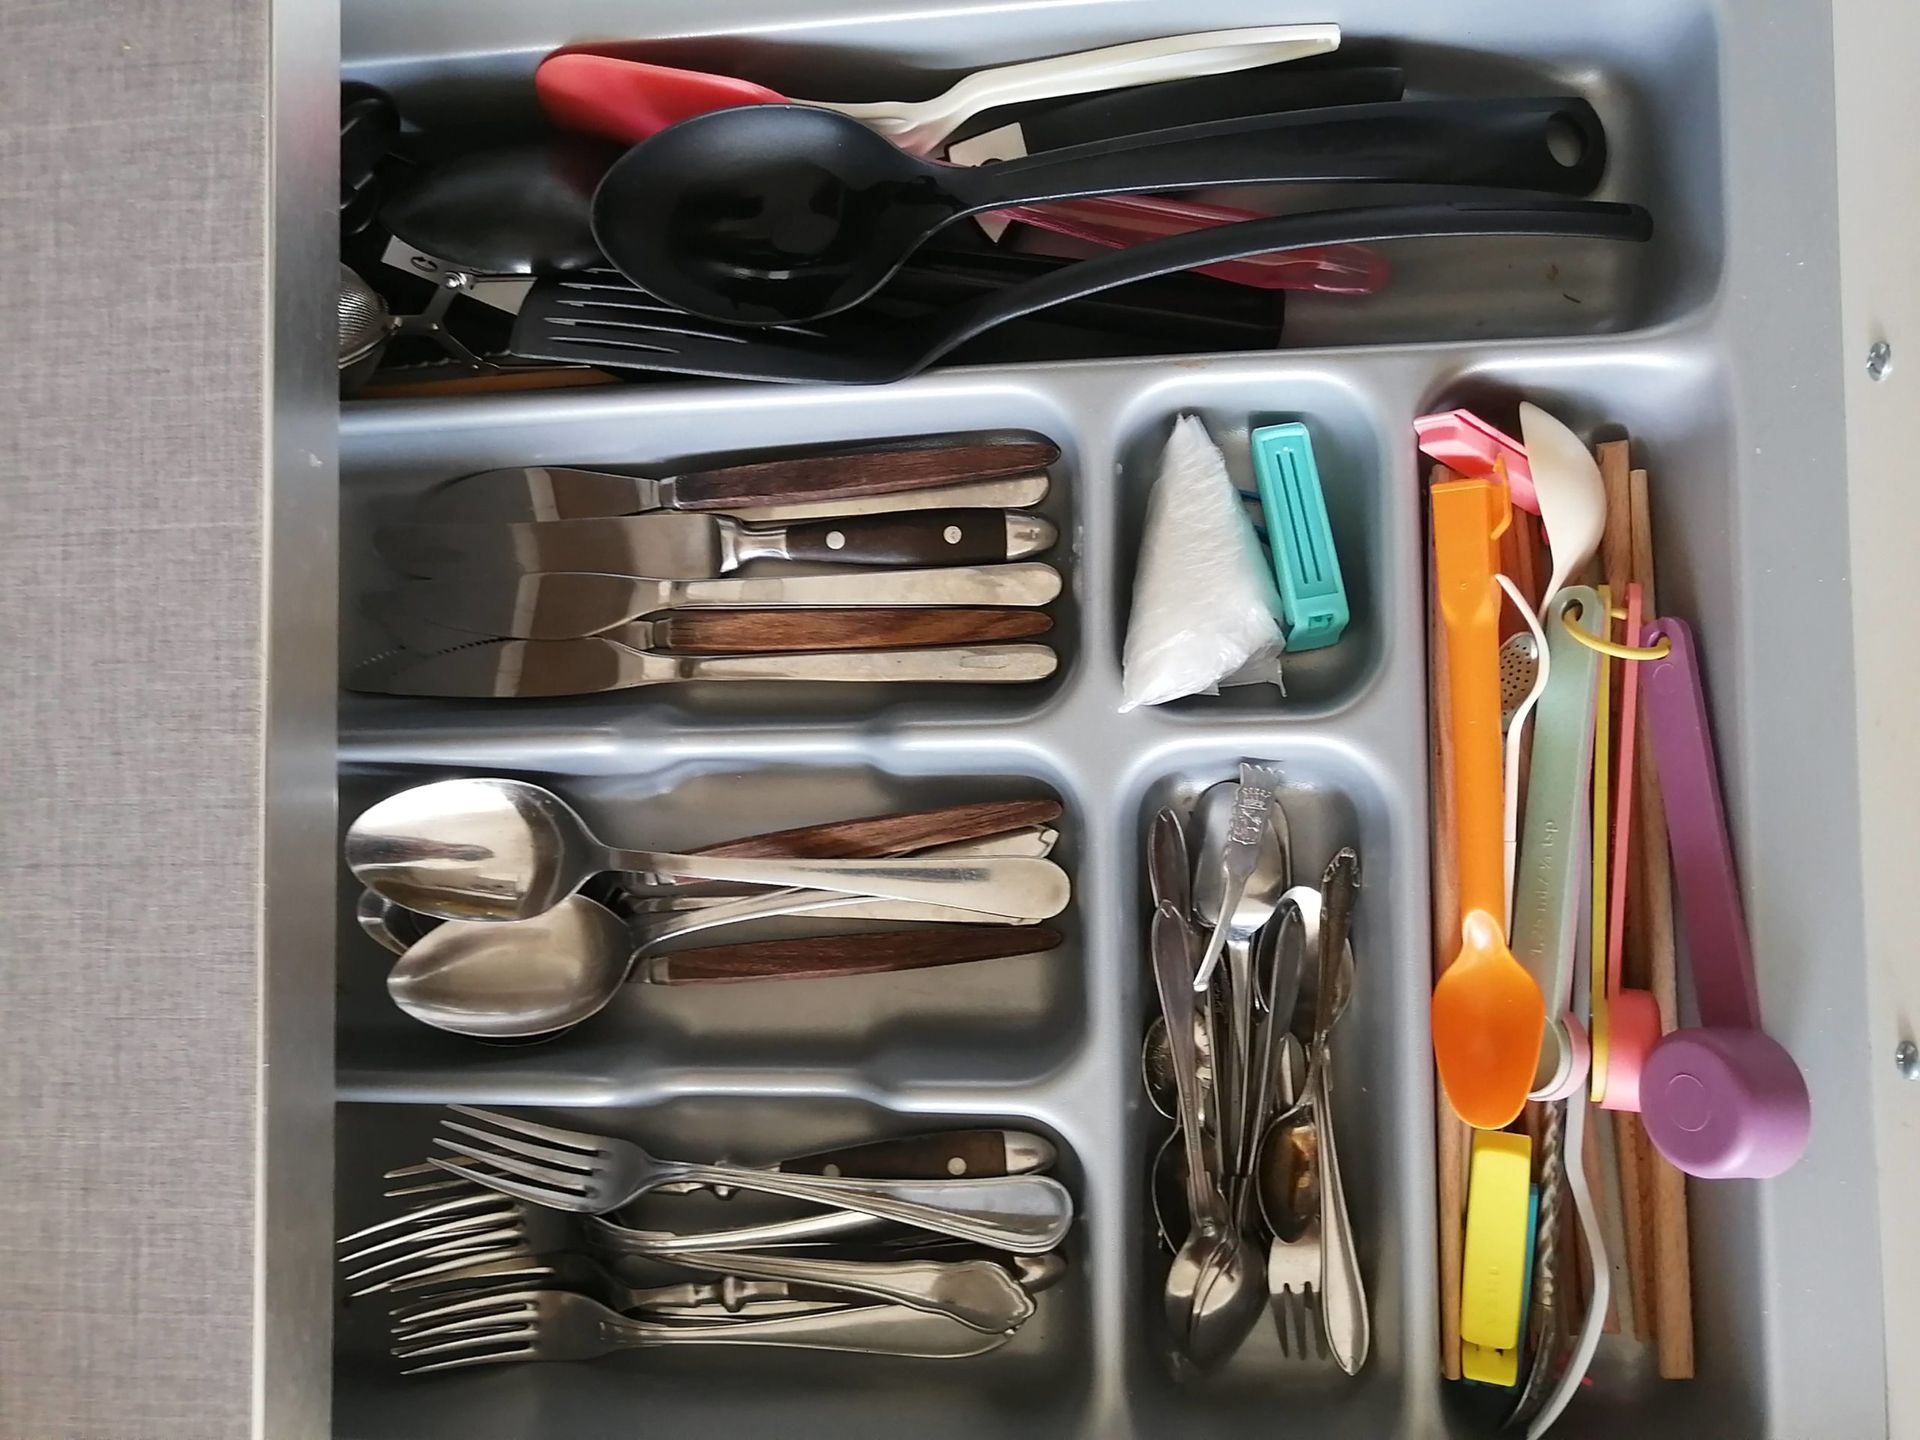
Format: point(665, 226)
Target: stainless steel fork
point(555, 1325)
point(1293, 1290)
point(593, 1174)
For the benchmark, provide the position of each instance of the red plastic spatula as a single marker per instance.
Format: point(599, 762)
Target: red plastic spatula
point(629, 100)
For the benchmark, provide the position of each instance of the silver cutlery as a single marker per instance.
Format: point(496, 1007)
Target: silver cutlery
point(1342, 1289)
point(678, 545)
point(551, 971)
point(760, 632)
point(533, 1325)
point(894, 475)
point(488, 848)
point(979, 1294)
point(568, 605)
point(1211, 1296)
point(592, 665)
point(1015, 492)
point(593, 1174)
point(907, 1157)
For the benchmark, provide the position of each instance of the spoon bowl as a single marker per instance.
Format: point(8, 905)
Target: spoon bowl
point(766, 213)
point(499, 982)
point(1488, 1021)
point(473, 849)
point(1231, 1293)
point(1571, 492)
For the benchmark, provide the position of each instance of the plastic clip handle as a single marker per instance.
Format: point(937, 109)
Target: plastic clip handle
point(1468, 445)
point(1716, 926)
point(1497, 1259)
point(1547, 888)
point(1313, 596)
point(1469, 516)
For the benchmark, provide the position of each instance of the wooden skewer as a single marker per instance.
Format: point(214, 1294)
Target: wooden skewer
point(1632, 1155)
point(1450, 1133)
point(1672, 1256)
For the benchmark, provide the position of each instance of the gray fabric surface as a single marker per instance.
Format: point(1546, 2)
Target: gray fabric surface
point(132, 200)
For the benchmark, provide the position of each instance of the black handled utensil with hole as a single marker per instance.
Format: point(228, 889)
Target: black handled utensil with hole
point(602, 324)
point(771, 214)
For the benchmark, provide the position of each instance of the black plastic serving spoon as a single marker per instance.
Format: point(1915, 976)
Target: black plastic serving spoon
point(773, 214)
point(595, 320)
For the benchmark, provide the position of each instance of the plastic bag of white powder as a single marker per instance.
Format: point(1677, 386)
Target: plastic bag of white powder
point(1204, 603)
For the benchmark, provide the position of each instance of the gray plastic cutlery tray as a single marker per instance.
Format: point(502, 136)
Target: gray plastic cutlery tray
point(1680, 340)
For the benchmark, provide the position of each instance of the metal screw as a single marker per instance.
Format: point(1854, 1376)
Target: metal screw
point(1907, 1057)
point(1879, 360)
point(836, 540)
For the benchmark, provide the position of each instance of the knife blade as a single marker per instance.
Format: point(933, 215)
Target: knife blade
point(524, 669)
point(671, 545)
point(756, 632)
point(535, 493)
point(818, 957)
point(565, 606)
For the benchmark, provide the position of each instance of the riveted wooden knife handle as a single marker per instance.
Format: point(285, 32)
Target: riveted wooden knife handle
point(843, 477)
point(910, 537)
point(819, 957)
point(911, 1157)
point(900, 834)
point(749, 632)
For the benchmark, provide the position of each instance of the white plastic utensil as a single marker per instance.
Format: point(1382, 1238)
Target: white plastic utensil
point(1572, 495)
point(921, 127)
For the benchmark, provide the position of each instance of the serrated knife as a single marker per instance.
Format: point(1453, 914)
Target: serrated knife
point(669, 545)
point(525, 669)
point(534, 493)
point(567, 606)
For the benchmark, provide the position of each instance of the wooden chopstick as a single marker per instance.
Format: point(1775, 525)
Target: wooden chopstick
point(1672, 1254)
point(1632, 1155)
point(1450, 1132)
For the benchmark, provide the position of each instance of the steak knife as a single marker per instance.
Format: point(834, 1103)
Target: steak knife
point(564, 493)
point(566, 606)
point(669, 545)
point(522, 669)
point(756, 632)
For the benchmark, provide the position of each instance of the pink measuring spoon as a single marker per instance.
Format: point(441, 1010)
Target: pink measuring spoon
point(1722, 1100)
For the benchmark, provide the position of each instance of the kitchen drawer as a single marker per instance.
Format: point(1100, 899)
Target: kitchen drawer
point(1716, 345)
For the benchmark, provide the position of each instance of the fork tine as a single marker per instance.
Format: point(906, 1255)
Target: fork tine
point(567, 1182)
point(1317, 1318)
point(464, 1251)
point(411, 1313)
point(563, 1159)
point(420, 1213)
point(468, 1340)
point(524, 1352)
point(427, 1235)
point(518, 1300)
point(573, 1139)
point(513, 1258)
point(534, 1194)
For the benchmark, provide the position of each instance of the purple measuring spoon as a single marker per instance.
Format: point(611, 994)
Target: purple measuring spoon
point(1723, 1100)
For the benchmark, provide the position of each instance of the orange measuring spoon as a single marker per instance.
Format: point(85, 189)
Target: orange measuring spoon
point(1488, 1013)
